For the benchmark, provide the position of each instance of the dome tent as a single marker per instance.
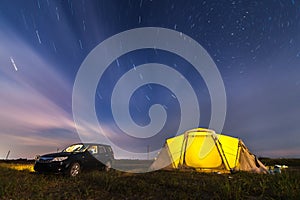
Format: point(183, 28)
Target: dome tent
point(204, 150)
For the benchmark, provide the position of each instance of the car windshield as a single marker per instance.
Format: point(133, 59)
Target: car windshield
point(75, 148)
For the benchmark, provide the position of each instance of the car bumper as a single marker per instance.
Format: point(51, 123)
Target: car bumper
point(53, 167)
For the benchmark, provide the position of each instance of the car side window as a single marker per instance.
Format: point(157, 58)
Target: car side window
point(93, 149)
point(101, 149)
point(109, 149)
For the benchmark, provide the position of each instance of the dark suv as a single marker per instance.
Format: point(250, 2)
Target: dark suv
point(75, 158)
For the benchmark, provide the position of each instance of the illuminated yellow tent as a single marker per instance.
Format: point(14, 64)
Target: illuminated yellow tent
point(204, 150)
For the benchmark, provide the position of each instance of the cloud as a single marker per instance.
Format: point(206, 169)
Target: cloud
point(34, 100)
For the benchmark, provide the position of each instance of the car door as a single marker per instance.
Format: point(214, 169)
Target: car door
point(102, 156)
point(92, 154)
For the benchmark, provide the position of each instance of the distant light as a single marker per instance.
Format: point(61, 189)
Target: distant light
point(13, 63)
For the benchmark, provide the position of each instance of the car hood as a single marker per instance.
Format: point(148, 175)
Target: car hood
point(59, 154)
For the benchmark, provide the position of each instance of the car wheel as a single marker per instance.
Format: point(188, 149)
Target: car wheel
point(74, 169)
point(107, 166)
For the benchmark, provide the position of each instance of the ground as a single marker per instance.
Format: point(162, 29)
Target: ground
point(18, 181)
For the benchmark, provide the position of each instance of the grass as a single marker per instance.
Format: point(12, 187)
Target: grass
point(19, 182)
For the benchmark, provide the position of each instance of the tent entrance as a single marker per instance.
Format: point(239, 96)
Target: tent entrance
point(202, 152)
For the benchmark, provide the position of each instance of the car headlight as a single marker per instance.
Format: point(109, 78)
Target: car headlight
point(59, 159)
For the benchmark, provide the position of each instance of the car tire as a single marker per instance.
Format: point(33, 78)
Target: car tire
point(108, 165)
point(74, 169)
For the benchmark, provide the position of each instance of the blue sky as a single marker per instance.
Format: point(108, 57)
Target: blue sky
point(254, 44)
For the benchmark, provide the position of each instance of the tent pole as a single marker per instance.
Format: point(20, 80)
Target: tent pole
point(215, 140)
point(237, 153)
point(224, 156)
point(185, 146)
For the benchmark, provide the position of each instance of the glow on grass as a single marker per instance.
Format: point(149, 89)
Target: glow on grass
point(19, 167)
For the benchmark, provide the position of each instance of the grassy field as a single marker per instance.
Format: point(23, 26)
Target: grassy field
point(18, 181)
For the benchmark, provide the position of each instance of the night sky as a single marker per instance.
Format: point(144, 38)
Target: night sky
point(254, 44)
